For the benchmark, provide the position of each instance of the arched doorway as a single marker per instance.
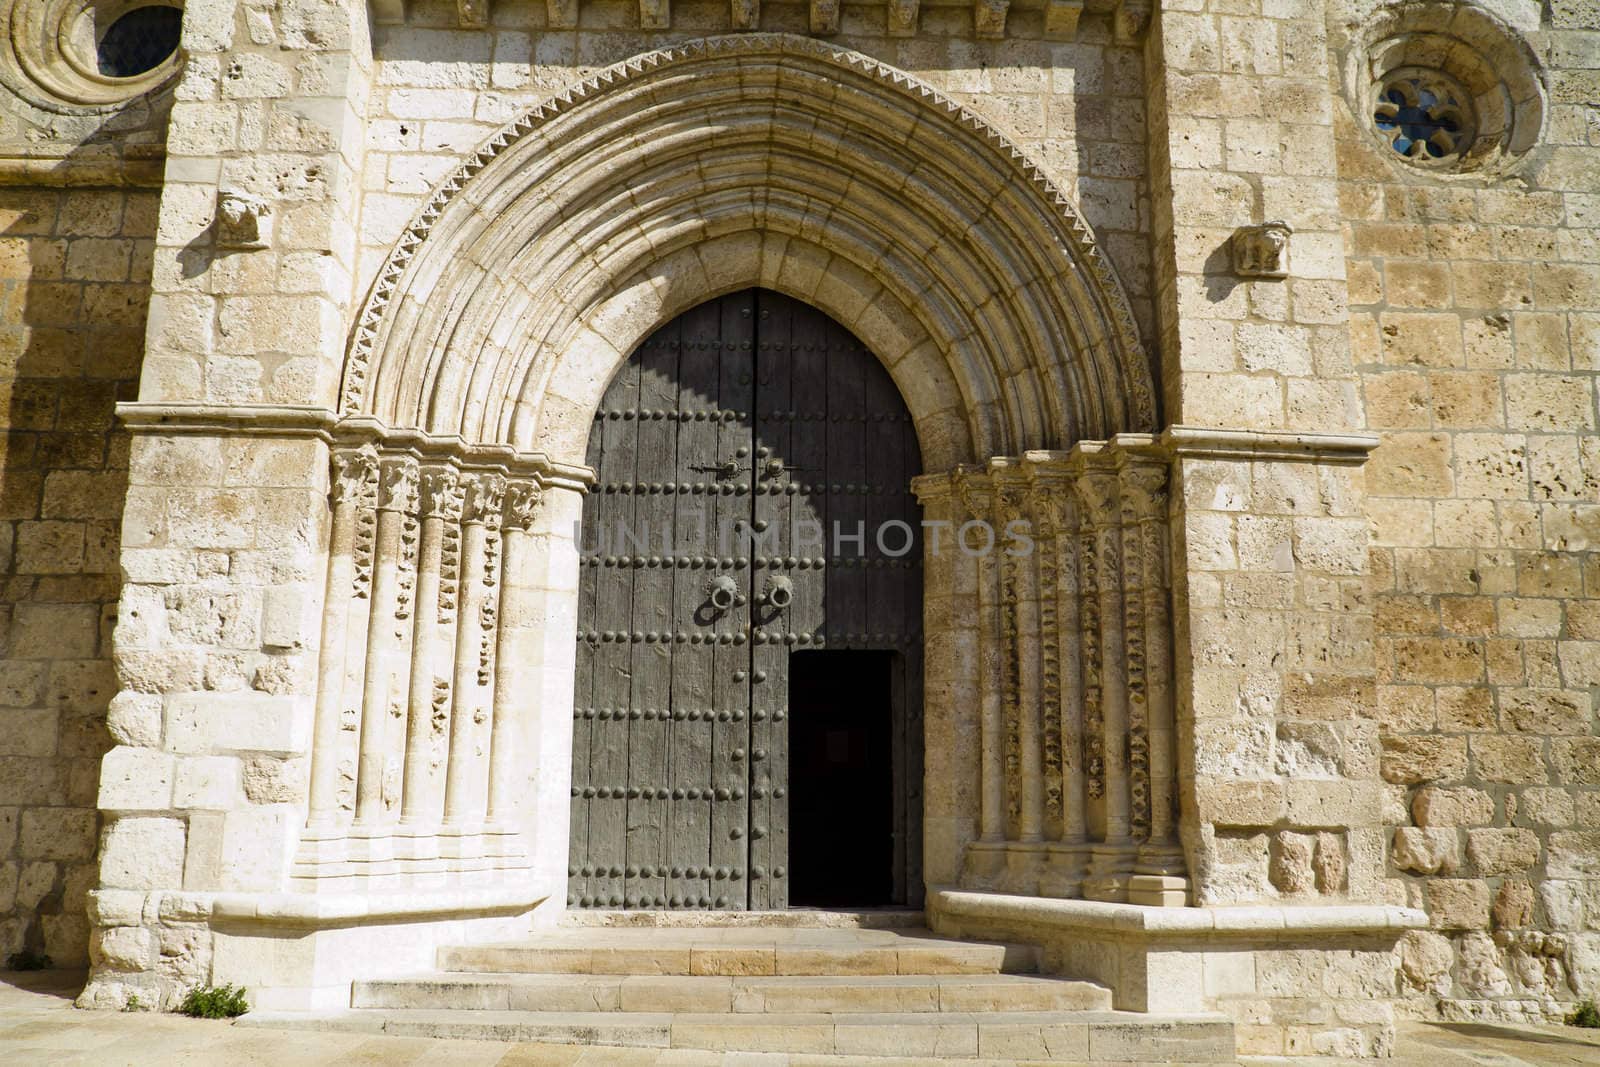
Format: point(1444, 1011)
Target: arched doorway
point(747, 707)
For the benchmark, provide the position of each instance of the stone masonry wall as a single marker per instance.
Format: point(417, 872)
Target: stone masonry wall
point(74, 279)
point(1475, 324)
point(1075, 106)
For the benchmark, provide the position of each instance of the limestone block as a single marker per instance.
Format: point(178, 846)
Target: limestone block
point(1423, 758)
point(1425, 959)
point(1573, 854)
point(1436, 806)
point(1457, 904)
point(1508, 759)
point(1546, 808)
point(1513, 905)
point(274, 781)
point(135, 719)
point(134, 779)
point(115, 907)
point(1563, 904)
point(122, 948)
point(213, 723)
point(1502, 851)
point(1480, 971)
point(58, 833)
point(1329, 863)
point(142, 853)
point(1426, 851)
point(1290, 864)
point(206, 782)
point(255, 847)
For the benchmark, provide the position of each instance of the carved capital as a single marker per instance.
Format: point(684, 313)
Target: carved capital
point(975, 491)
point(522, 504)
point(1097, 492)
point(442, 494)
point(484, 493)
point(1145, 487)
point(399, 489)
point(355, 476)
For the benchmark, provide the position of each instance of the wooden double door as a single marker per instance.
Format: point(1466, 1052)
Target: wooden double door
point(747, 725)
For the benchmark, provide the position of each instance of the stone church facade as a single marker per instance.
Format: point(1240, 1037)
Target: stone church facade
point(1270, 326)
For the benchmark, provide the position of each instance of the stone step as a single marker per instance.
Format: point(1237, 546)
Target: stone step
point(743, 995)
point(1098, 1037)
point(741, 952)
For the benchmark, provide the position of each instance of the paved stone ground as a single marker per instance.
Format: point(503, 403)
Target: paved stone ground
point(38, 1025)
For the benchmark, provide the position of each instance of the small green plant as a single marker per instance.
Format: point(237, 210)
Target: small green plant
point(1586, 1016)
point(29, 960)
point(133, 1003)
point(214, 1002)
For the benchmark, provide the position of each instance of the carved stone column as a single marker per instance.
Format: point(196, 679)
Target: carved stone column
point(1016, 558)
point(397, 501)
point(425, 726)
point(510, 683)
point(355, 483)
point(986, 857)
point(462, 802)
point(1106, 716)
point(1060, 671)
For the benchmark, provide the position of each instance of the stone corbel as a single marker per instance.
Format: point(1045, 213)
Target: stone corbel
point(746, 14)
point(472, 14)
point(243, 221)
point(989, 18)
point(903, 18)
point(561, 14)
point(825, 17)
point(655, 14)
point(1261, 251)
point(1130, 19)
point(1061, 19)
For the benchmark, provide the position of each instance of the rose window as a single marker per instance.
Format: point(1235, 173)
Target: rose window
point(1424, 117)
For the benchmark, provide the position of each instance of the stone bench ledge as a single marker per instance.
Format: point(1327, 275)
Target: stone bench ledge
point(314, 910)
point(1121, 920)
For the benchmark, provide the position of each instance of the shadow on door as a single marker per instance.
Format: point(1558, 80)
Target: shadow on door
point(841, 777)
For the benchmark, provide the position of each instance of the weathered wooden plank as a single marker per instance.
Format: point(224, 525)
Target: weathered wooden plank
point(654, 617)
point(726, 884)
point(699, 362)
point(608, 756)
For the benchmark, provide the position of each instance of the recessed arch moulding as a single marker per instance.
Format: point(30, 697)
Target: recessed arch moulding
point(655, 185)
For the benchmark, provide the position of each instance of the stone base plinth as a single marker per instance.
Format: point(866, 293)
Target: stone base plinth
point(298, 951)
point(1283, 974)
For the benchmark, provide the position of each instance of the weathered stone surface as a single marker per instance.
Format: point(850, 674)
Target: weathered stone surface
point(1427, 851)
point(1502, 851)
point(1425, 960)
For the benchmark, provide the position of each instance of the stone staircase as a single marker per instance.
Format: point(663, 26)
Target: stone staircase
point(846, 990)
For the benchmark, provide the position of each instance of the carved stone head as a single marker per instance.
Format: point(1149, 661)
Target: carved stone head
point(1262, 251)
point(242, 220)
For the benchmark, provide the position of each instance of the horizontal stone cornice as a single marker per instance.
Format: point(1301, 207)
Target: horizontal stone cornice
point(285, 420)
point(1205, 441)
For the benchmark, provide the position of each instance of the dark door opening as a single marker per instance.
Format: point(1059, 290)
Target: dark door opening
point(842, 778)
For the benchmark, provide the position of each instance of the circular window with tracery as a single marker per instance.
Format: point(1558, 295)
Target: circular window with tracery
point(1425, 116)
point(1447, 87)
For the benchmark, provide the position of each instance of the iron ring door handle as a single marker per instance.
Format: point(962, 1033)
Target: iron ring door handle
point(723, 592)
point(780, 593)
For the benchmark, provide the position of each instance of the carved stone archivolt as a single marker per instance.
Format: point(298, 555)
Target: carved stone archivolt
point(424, 552)
point(1077, 768)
